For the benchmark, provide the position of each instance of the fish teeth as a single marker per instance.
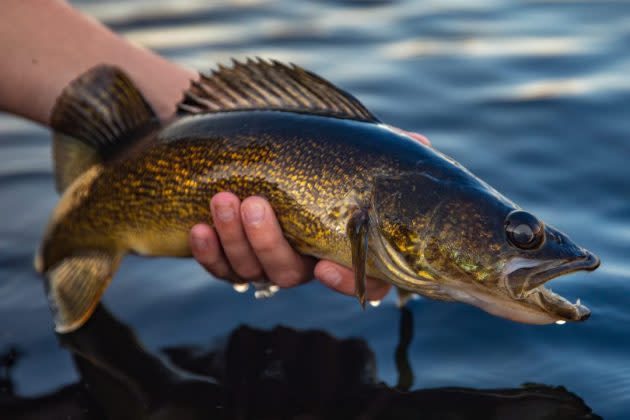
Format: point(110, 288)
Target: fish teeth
point(578, 302)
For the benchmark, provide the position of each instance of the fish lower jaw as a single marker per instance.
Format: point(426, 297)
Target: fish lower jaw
point(557, 305)
point(517, 310)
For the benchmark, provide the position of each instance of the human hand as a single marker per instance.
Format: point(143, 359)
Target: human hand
point(247, 245)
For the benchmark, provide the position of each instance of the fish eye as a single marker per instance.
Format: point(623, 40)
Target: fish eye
point(524, 230)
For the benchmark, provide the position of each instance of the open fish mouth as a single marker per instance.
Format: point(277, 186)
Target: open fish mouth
point(528, 283)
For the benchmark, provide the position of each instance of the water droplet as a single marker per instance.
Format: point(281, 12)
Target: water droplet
point(264, 289)
point(241, 288)
point(561, 322)
point(374, 303)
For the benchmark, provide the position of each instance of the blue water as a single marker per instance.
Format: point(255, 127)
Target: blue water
point(533, 97)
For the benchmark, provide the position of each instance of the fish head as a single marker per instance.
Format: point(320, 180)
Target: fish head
point(537, 253)
point(464, 241)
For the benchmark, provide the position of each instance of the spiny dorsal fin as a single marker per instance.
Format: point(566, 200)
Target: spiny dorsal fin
point(97, 116)
point(263, 85)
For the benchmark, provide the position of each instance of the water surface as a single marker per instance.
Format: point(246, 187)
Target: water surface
point(531, 96)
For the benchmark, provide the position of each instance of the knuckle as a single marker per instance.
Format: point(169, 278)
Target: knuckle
point(222, 274)
point(234, 242)
point(265, 244)
point(209, 258)
point(217, 270)
point(249, 272)
point(288, 278)
point(214, 264)
point(240, 254)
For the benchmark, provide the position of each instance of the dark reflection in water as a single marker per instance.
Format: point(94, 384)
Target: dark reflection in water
point(262, 374)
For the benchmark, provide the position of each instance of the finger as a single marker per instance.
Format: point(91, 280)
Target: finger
point(341, 279)
point(206, 249)
point(416, 136)
point(281, 263)
point(227, 221)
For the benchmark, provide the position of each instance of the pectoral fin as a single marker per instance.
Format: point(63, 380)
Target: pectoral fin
point(75, 286)
point(358, 232)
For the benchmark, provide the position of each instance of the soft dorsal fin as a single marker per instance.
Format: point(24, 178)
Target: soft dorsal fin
point(262, 85)
point(97, 117)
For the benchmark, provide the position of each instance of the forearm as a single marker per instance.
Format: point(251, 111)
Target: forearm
point(45, 44)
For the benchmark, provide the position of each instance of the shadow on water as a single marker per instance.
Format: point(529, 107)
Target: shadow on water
point(260, 374)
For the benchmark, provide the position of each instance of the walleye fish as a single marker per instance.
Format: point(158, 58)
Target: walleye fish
point(344, 187)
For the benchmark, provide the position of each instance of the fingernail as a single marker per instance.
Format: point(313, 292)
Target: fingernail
point(200, 242)
point(331, 276)
point(225, 212)
point(253, 213)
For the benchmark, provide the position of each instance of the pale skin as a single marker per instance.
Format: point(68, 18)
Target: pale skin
point(46, 44)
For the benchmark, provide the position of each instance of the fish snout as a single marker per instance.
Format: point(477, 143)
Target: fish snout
point(583, 313)
point(587, 260)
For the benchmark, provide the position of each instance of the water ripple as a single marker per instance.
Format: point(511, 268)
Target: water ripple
point(531, 96)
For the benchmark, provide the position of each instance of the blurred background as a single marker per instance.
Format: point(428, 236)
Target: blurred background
point(531, 96)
